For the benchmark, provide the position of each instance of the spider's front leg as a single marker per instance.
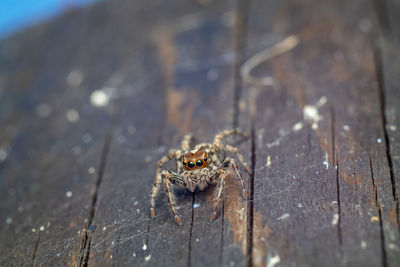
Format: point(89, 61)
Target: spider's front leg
point(157, 181)
point(219, 192)
point(171, 178)
point(232, 163)
point(238, 155)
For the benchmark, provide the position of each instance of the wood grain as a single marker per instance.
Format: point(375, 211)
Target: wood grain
point(314, 185)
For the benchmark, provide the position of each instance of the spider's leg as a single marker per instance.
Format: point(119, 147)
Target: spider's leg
point(232, 163)
point(218, 138)
point(170, 195)
point(157, 181)
point(187, 139)
point(219, 193)
point(238, 154)
point(201, 145)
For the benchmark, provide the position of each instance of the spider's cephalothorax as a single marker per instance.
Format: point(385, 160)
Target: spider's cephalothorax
point(195, 169)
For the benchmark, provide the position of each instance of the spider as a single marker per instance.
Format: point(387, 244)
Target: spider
point(196, 169)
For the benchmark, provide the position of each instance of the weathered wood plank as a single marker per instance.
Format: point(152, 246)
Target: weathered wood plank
point(317, 127)
point(57, 142)
point(388, 62)
point(193, 48)
point(325, 185)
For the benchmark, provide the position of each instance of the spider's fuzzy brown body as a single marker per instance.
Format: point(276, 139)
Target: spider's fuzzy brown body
point(197, 168)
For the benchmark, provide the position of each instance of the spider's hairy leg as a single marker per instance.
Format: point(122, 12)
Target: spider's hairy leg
point(187, 139)
point(218, 138)
point(232, 163)
point(237, 153)
point(157, 181)
point(201, 145)
point(171, 197)
point(219, 192)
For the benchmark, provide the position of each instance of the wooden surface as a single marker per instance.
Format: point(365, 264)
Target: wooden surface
point(314, 83)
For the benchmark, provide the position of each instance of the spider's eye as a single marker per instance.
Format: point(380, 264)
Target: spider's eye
point(199, 163)
point(184, 162)
point(190, 164)
point(205, 159)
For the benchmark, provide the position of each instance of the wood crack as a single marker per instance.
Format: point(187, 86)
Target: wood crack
point(222, 233)
point(339, 207)
point(189, 263)
point(381, 91)
point(241, 25)
point(378, 206)
point(336, 160)
point(250, 203)
point(84, 253)
point(383, 17)
point(35, 249)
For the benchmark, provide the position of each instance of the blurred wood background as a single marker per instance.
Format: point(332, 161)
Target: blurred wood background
point(90, 101)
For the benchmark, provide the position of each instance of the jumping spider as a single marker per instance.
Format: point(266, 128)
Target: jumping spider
point(205, 164)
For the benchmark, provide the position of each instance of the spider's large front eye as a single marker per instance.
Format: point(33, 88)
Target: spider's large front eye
point(199, 163)
point(190, 164)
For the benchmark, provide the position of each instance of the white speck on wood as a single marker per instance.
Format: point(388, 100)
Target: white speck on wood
point(91, 170)
point(3, 154)
point(326, 161)
point(268, 161)
point(314, 126)
point(75, 78)
point(321, 102)
point(298, 126)
point(335, 219)
point(101, 98)
point(72, 115)
point(273, 260)
point(284, 216)
point(363, 244)
point(311, 114)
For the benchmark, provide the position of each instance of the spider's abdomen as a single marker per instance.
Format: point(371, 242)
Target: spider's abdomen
point(197, 179)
